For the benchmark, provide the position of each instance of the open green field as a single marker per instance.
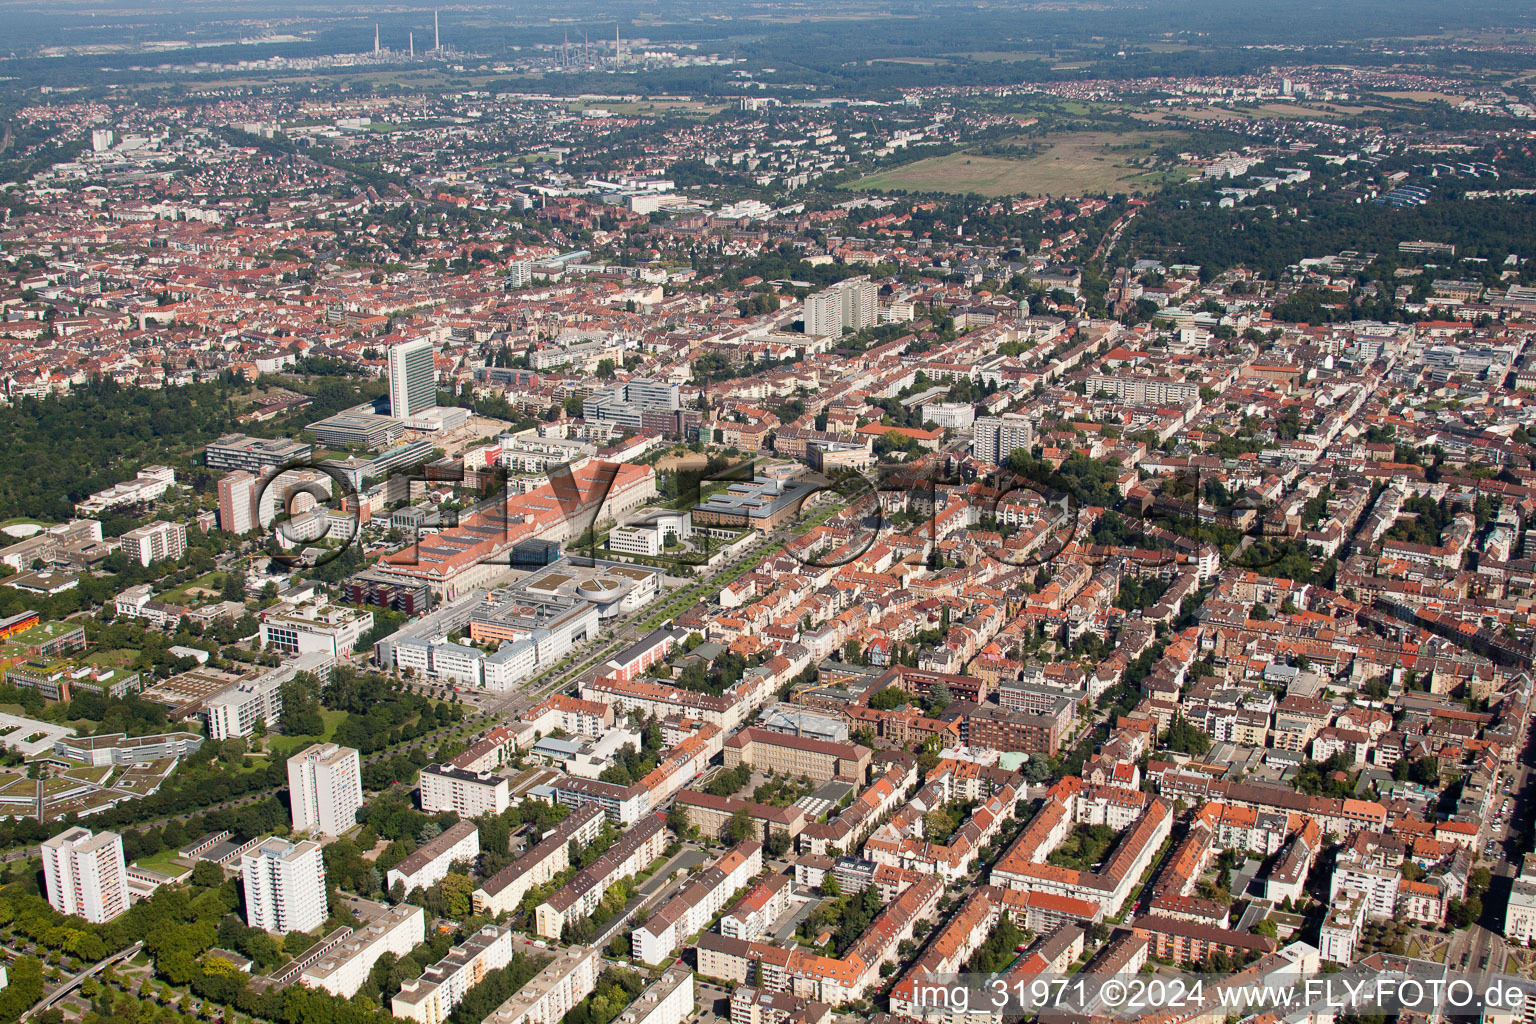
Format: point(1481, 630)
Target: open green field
point(286, 745)
point(166, 862)
point(206, 587)
point(112, 657)
point(1072, 163)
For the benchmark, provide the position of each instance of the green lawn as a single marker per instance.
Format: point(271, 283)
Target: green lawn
point(112, 657)
point(165, 862)
point(287, 745)
point(181, 595)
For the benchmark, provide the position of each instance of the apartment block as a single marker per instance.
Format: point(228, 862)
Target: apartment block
point(470, 794)
point(552, 993)
point(237, 502)
point(503, 891)
point(748, 918)
point(693, 908)
point(994, 438)
point(284, 886)
point(325, 788)
point(667, 1000)
point(85, 875)
point(848, 305)
point(578, 898)
point(430, 998)
point(155, 542)
point(344, 969)
point(431, 861)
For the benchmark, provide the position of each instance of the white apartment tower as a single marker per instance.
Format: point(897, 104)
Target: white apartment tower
point(412, 382)
point(85, 874)
point(284, 886)
point(325, 788)
point(156, 542)
point(847, 305)
point(994, 438)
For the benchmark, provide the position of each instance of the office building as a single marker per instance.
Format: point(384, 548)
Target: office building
point(284, 886)
point(254, 454)
point(627, 404)
point(325, 788)
point(763, 504)
point(848, 305)
point(994, 438)
point(118, 748)
point(237, 502)
point(85, 875)
point(795, 756)
point(948, 415)
point(412, 381)
point(331, 630)
point(357, 427)
point(154, 543)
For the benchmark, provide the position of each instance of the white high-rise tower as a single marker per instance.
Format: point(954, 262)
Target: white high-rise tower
point(284, 886)
point(437, 40)
point(412, 386)
point(325, 788)
point(375, 39)
point(85, 874)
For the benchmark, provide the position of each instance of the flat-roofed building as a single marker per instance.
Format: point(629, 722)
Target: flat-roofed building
point(763, 504)
point(365, 429)
point(325, 788)
point(469, 794)
point(84, 874)
point(284, 886)
point(667, 1000)
point(344, 969)
point(117, 748)
point(317, 628)
point(554, 992)
point(255, 454)
point(430, 998)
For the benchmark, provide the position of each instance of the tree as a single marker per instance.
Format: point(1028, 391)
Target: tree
point(741, 827)
point(207, 874)
point(677, 819)
point(890, 698)
point(457, 890)
point(777, 845)
point(939, 697)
